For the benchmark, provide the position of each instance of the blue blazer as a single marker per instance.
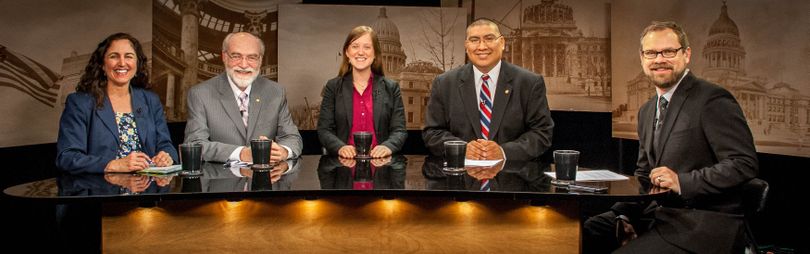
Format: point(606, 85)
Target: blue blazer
point(88, 136)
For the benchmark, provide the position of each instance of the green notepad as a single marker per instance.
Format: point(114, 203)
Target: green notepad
point(162, 170)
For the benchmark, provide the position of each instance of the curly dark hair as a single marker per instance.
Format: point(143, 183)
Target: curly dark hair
point(94, 80)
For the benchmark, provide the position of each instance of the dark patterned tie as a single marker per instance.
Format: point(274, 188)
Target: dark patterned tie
point(485, 106)
point(659, 122)
point(243, 107)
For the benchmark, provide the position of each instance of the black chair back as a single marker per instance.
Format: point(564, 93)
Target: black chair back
point(755, 195)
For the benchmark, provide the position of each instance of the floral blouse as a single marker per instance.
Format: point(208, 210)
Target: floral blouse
point(127, 134)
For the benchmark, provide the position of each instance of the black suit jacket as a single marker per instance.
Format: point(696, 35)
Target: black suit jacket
point(521, 122)
point(706, 140)
point(335, 120)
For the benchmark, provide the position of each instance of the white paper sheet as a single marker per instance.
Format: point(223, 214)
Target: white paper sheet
point(480, 163)
point(595, 175)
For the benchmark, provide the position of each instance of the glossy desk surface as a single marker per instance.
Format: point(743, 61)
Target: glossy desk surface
point(316, 176)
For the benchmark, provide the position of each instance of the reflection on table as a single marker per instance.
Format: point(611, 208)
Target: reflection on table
point(325, 173)
point(397, 204)
point(223, 178)
point(511, 176)
point(112, 184)
point(216, 177)
point(362, 174)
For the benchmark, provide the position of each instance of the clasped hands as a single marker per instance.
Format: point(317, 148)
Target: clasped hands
point(376, 162)
point(349, 151)
point(482, 149)
point(138, 161)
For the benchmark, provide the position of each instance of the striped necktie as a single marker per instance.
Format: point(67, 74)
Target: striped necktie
point(485, 106)
point(485, 185)
point(243, 107)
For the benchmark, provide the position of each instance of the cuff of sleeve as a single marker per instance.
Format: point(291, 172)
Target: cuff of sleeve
point(289, 151)
point(235, 154)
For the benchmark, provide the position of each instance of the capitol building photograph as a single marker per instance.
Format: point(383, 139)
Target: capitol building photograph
point(777, 111)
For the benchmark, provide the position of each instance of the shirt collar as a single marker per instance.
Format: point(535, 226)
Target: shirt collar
point(236, 90)
point(493, 74)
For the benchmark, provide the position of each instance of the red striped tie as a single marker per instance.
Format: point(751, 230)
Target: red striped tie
point(485, 106)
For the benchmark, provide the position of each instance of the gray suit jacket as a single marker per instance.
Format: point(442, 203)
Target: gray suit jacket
point(215, 122)
point(521, 122)
point(335, 120)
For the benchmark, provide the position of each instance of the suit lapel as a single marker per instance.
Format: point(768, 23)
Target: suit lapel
point(346, 96)
point(378, 100)
point(229, 106)
point(501, 98)
point(673, 110)
point(649, 120)
point(107, 117)
point(466, 90)
point(257, 92)
point(139, 109)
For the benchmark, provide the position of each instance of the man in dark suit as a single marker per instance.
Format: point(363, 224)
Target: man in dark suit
point(695, 144)
point(227, 111)
point(500, 109)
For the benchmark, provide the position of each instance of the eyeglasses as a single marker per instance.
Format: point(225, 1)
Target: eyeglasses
point(667, 53)
point(236, 57)
point(489, 40)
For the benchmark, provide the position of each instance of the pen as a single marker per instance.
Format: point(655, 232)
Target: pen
point(583, 188)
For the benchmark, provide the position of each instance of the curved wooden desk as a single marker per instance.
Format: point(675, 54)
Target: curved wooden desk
point(323, 204)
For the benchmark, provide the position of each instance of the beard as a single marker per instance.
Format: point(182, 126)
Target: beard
point(664, 82)
point(245, 81)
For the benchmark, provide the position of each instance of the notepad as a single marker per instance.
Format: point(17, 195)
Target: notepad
point(162, 170)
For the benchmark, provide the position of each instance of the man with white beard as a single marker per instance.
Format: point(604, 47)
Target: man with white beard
point(227, 111)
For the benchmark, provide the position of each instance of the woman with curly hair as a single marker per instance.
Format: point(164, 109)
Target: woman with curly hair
point(112, 123)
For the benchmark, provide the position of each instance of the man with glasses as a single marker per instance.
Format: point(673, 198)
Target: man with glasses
point(227, 111)
point(500, 109)
point(695, 145)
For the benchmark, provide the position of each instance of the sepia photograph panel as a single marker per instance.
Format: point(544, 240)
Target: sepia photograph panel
point(417, 44)
point(188, 37)
point(41, 62)
point(756, 50)
point(566, 41)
